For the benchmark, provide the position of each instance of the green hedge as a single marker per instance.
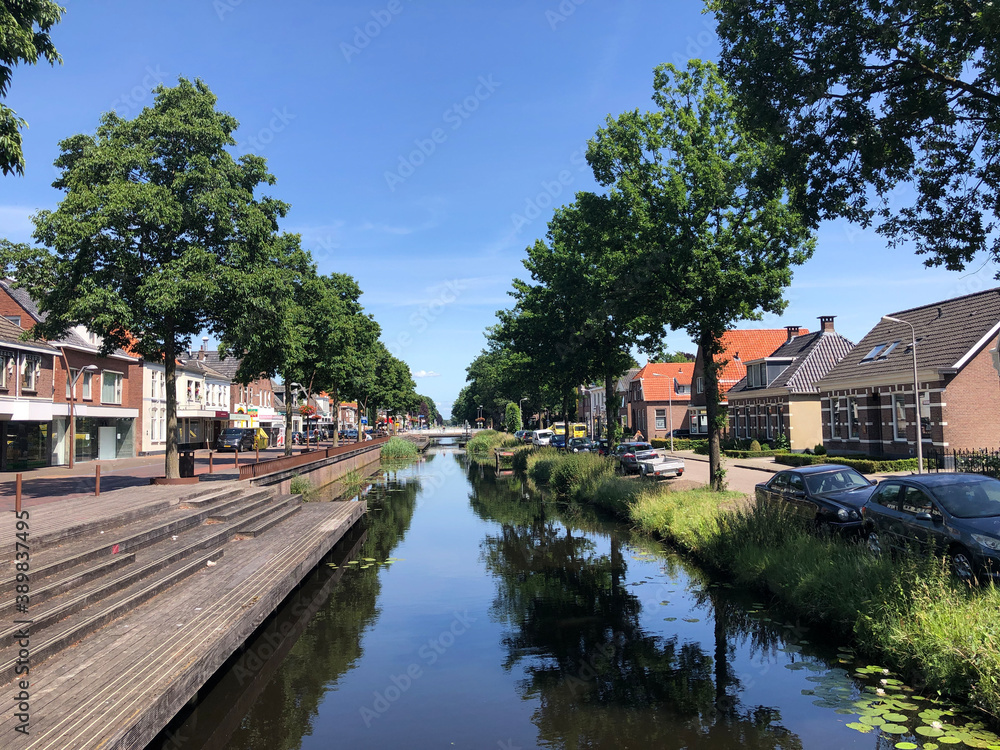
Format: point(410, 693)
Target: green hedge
point(864, 465)
point(680, 444)
point(754, 454)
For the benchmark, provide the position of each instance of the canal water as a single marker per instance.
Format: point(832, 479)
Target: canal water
point(466, 613)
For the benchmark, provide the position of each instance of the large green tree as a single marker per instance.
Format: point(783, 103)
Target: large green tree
point(714, 236)
point(158, 229)
point(24, 38)
point(888, 112)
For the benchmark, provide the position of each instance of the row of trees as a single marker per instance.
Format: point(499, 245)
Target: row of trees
point(695, 232)
point(161, 235)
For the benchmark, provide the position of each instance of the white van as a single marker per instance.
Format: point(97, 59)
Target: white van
point(541, 437)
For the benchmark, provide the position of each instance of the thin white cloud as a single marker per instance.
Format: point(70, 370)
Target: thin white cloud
point(426, 374)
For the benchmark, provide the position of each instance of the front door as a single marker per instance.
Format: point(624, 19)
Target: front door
point(107, 443)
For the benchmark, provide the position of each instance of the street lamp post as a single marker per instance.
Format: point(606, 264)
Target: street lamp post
point(72, 410)
point(519, 402)
point(916, 393)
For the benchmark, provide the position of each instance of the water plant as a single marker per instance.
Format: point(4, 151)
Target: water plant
point(398, 447)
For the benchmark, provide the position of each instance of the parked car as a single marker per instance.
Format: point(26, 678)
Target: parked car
point(526, 437)
point(542, 437)
point(953, 514)
point(682, 433)
point(601, 447)
point(558, 441)
point(519, 434)
point(241, 439)
point(581, 445)
point(631, 453)
point(831, 495)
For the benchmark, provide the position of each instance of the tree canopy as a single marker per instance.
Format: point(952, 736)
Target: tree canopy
point(714, 237)
point(159, 236)
point(875, 102)
point(24, 38)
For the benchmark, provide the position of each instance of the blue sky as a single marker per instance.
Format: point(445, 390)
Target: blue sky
point(421, 145)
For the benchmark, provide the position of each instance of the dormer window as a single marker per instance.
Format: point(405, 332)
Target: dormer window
point(880, 351)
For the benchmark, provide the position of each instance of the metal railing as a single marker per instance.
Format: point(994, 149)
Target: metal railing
point(986, 461)
point(284, 463)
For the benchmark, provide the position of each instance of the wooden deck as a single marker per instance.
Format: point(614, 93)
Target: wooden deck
point(121, 684)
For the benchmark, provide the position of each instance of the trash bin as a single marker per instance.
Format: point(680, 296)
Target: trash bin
point(186, 462)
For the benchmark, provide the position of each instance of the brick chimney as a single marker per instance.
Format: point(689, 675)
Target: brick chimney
point(793, 331)
point(826, 323)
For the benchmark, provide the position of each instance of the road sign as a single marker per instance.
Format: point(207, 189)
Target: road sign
point(364, 420)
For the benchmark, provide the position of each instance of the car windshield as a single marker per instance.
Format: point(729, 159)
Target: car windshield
point(835, 481)
point(578, 441)
point(972, 498)
point(233, 432)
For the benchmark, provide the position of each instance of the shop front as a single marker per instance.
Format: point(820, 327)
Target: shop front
point(25, 445)
point(102, 434)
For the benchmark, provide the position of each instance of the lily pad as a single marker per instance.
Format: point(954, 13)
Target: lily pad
point(907, 746)
point(929, 731)
point(691, 619)
point(859, 727)
point(893, 729)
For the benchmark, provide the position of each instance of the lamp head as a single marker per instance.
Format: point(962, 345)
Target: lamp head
point(91, 368)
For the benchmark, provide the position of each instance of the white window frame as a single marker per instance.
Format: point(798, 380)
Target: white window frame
point(701, 385)
point(31, 365)
point(898, 432)
point(87, 389)
point(69, 380)
point(661, 417)
point(7, 360)
point(853, 421)
point(116, 386)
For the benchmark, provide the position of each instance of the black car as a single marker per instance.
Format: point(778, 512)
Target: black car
point(601, 447)
point(236, 439)
point(581, 445)
point(830, 495)
point(953, 514)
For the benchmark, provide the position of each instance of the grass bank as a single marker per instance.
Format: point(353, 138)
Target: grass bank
point(907, 611)
point(399, 448)
point(480, 448)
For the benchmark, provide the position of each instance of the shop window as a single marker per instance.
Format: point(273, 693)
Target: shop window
point(111, 387)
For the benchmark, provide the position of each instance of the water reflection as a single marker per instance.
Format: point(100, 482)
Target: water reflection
point(599, 676)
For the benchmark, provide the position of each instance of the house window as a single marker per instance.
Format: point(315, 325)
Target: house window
point(899, 416)
point(746, 422)
point(852, 418)
point(834, 406)
point(661, 419)
point(190, 391)
point(69, 380)
point(88, 386)
point(29, 372)
point(15, 319)
point(925, 416)
point(888, 350)
point(701, 385)
point(781, 420)
point(6, 368)
point(197, 391)
point(751, 377)
point(876, 350)
point(111, 387)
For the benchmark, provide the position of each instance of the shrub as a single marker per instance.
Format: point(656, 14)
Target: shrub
point(520, 460)
point(781, 443)
point(765, 447)
point(300, 486)
point(763, 453)
point(540, 465)
point(574, 470)
point(755, 446)
point(680, 444)
point(819, 450)
point(398, 447)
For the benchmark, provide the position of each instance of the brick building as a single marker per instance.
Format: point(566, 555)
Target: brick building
point(868, 398)
point(738, 348)
point(778, 396)
point(107, 401)
point(25, 400)
point(658, 399)
point(253, 404)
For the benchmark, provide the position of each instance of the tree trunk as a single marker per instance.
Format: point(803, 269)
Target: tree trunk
point(171, 469)
point(710, 348)
point(613, 426)
point(288, 417)
point(335, 405)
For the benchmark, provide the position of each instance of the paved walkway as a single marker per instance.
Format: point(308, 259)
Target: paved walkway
point(57, 483)
point(767, 464)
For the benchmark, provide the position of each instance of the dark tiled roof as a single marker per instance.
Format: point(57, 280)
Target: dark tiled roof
point(194, 365)
point(10, 334)
point(227, 366)
point(22, 298)
point(946, 332)
point(813, 356)
point(622, 385)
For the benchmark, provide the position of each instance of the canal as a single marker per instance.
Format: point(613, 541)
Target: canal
point(465, 613)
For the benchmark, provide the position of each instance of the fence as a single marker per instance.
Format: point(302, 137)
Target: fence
point(985, 462)
point(252, 471)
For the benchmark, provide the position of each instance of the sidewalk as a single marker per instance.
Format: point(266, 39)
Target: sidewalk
point(768, 465)
point(55, 483)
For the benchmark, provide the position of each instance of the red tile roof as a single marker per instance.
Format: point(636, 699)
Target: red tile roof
point(658, 380)
point(740, 346)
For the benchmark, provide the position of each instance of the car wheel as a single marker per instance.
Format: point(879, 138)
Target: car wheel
point(874, 543)
point(961, 565)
